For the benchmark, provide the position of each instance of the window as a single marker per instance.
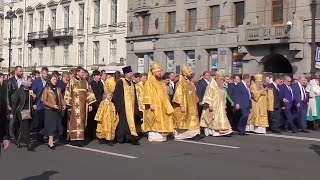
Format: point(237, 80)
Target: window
point(113, 51)
point(96, 13)
point(172, 21)
point(81, 53)
point(192, 19)
point(66, 54)
point(96, 52)
point(214, 17)
point(20, 56)
point(41, 21)
point(239, 13)
point(277, 11)
point(29, 56)
point(170, 61)
point(66, 17)
point(145, 26)
point(40, 56)
point(30, 23)
point(114, 11)
point(52, 54)
point(81, 16)
point(20, 26)
point(191, 60)
point(53, 19)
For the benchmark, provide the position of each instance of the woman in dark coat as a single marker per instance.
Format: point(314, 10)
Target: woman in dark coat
point(54, 107)
point(23, 106)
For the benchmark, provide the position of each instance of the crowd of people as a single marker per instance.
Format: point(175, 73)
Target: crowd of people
point(123, 108)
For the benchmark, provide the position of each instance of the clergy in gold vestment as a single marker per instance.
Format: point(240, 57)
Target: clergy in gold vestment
point(185, 101)
point(110, 84)
point(158, 110)
point(261, 99)
point(78, 96)
point(107, 120)
point(214, 118)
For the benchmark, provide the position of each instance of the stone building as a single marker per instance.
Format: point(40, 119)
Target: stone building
point(235, 36)
point(62, 34)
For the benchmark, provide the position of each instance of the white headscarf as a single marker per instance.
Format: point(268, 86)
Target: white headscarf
point(314, 86)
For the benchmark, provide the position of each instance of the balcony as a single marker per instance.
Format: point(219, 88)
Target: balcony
point(45, 36)
point(267, 32)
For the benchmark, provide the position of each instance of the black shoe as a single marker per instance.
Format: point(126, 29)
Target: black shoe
point(294, 131)
point(101, 141)
point(241, 133)
point(31, 146)
point(110, 143)
point(52, 147)
point(198, 137)
point(134, 142)
point(229, 135)
point(276, 131)
point(304, 131)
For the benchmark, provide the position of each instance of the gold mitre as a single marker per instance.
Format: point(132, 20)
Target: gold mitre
point(258, 78)
point(185, 70)
point(219, 75)
point(155, 68)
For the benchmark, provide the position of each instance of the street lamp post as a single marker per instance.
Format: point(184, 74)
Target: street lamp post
point(11, 14)
point(313, 37)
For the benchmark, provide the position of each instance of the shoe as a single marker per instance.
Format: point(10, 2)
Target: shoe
point(276, 131)
point(294, 131)
point(31, 146)
point(52, 147)
point(198, 137)
point(134, 142)
point(101, 141)
point(110, 143)
point(304, 131)
point(241, 133)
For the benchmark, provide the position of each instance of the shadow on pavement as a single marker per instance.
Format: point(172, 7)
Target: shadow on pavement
point(44, 176)
point(315, 148)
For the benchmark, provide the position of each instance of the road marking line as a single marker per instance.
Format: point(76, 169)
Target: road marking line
point(103, 152)
point(287, 137)
point(208, 144)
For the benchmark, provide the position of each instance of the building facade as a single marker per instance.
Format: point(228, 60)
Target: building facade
point(61, 34)
point(235, 36)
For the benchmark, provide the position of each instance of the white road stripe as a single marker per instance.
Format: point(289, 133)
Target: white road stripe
point(287, 137)
point(103, 152)
point(208, 144)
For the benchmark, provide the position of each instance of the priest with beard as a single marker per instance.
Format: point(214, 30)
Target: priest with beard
point(214, 118)
point(158, 120)
point(185, 103)
point(126, 104)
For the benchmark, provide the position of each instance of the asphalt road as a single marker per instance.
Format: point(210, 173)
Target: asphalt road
point(251, 157)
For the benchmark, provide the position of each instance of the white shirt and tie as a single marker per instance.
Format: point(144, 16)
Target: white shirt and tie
point(290, 89)
point(302, 92)
point(248, 90)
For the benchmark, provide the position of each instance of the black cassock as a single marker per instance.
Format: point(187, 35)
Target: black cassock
point(98, 90)
point(123, 134)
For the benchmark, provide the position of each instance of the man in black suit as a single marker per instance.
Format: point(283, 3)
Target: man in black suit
point(12, 85)
point(232, 114)
point(201, 89)
point(275, 115)
point(4, 133)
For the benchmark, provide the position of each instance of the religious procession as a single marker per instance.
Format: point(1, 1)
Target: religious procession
point(75, 106)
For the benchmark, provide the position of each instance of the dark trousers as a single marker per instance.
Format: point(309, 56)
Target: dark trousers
point(28, 131)
point(289, 123)
point(40, 119)
point(275, 119)
point(302, 115)
point(244, 114)
point(200, 108)
point(91, 125)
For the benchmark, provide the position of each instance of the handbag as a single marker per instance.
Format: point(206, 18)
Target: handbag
point(26, 113)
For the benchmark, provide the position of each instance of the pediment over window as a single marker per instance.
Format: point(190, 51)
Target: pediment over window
point(40, 6)
point(29, 9)
point(52, 3)
point(65, 1)
point(19, 11)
